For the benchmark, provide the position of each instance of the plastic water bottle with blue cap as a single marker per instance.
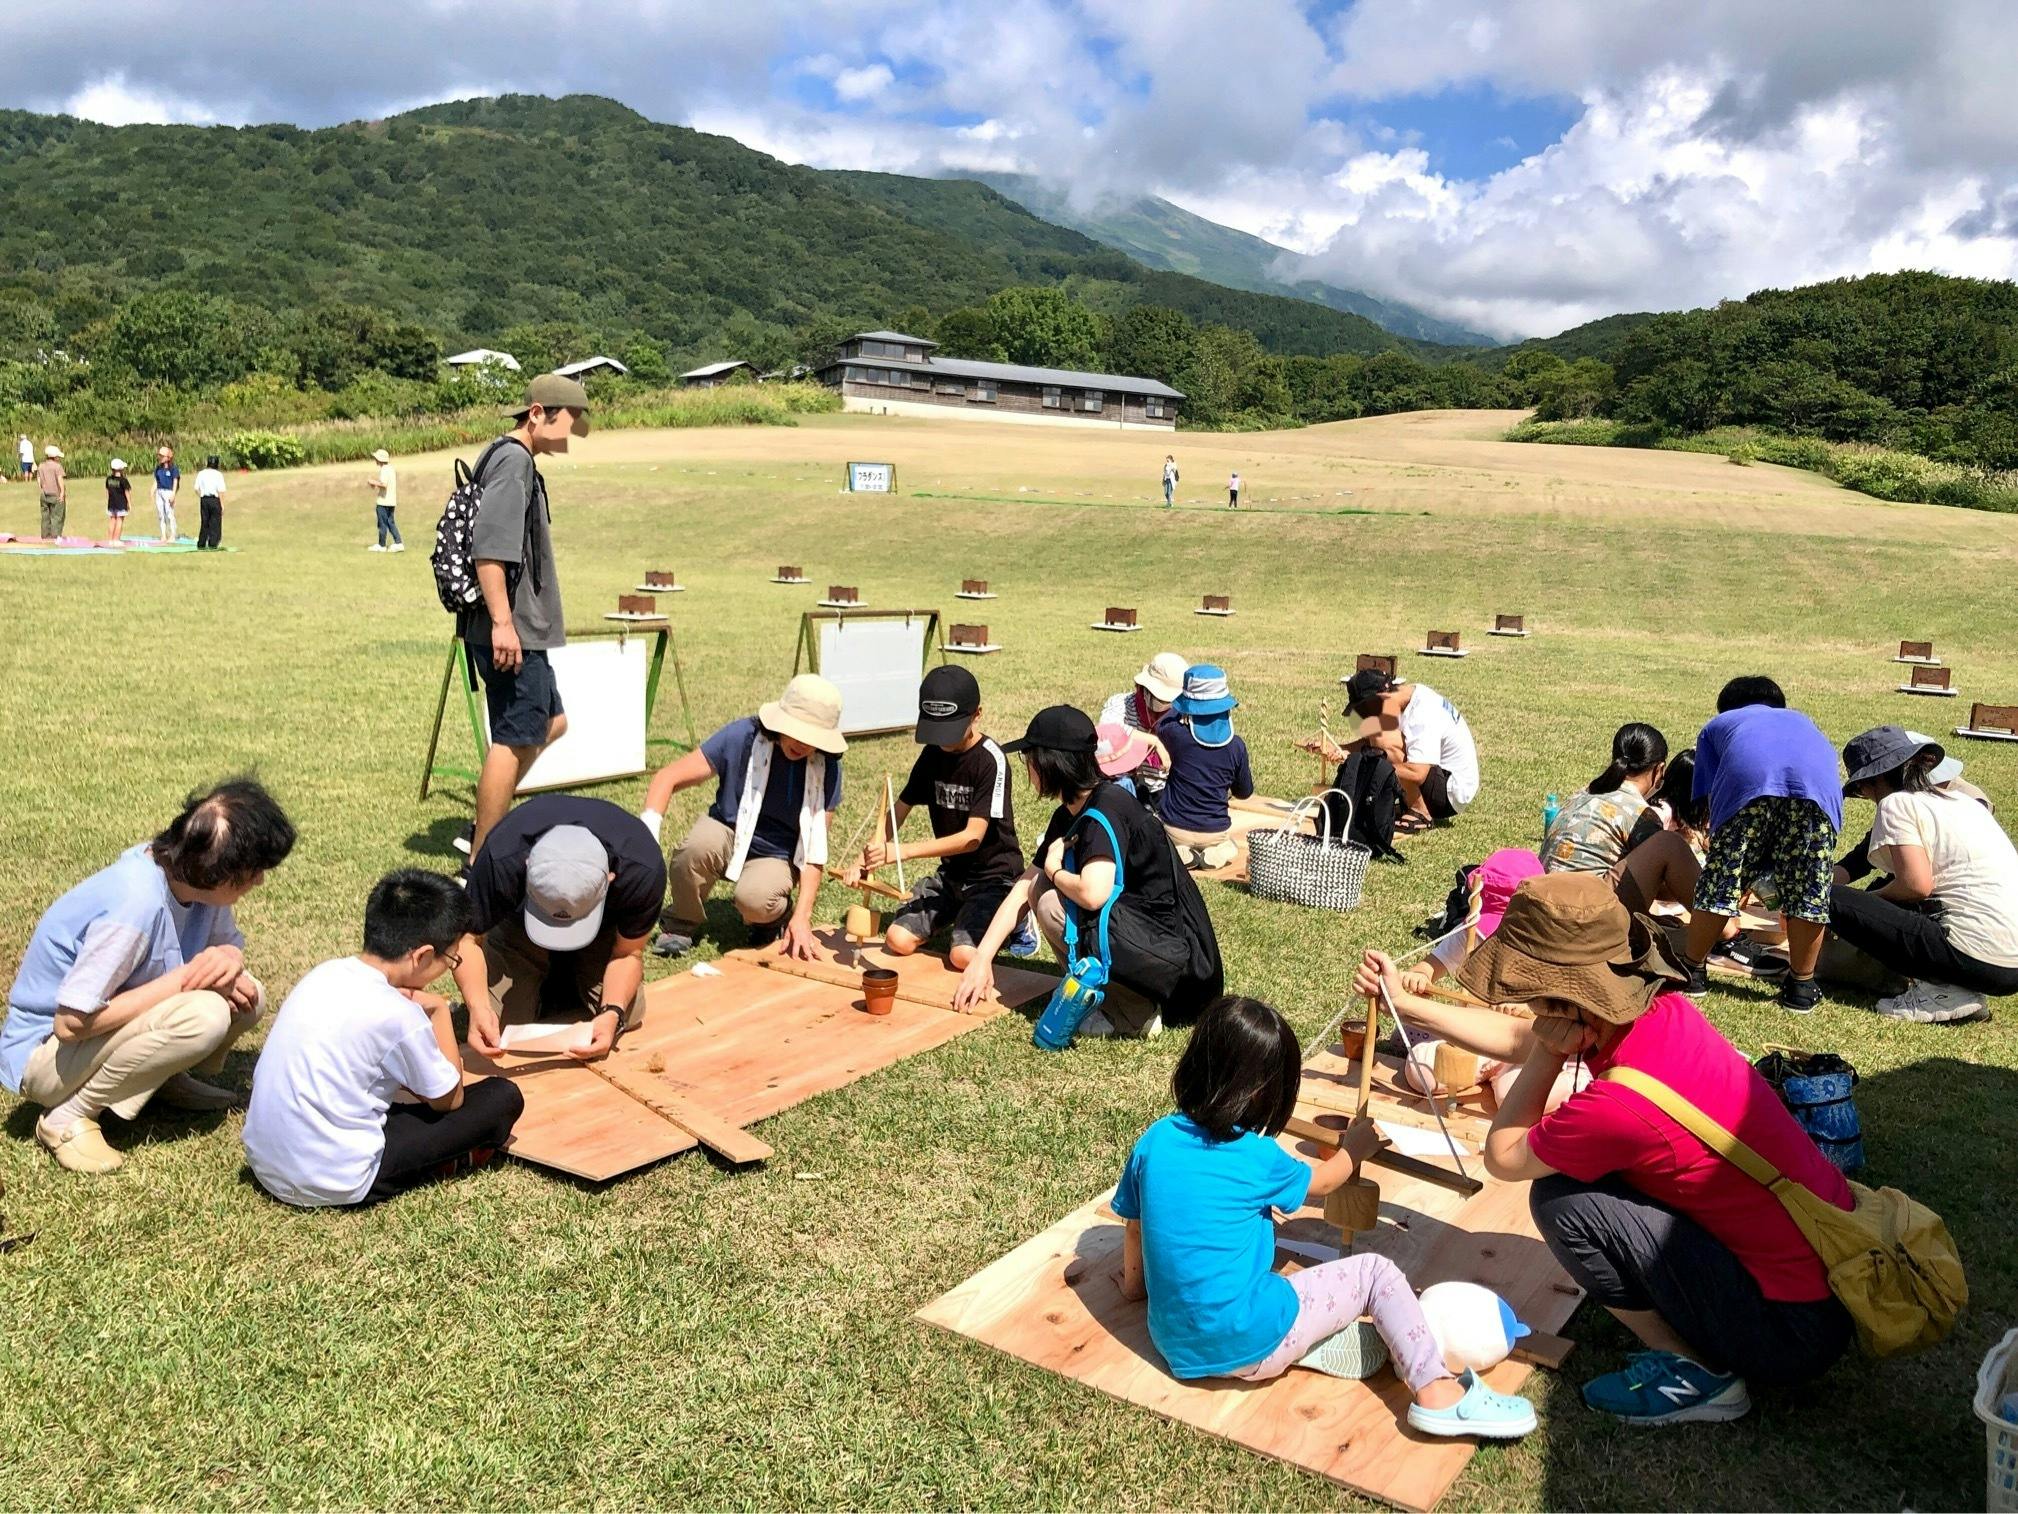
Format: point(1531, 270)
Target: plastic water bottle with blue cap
point(1084, 985)
point(1552, 806)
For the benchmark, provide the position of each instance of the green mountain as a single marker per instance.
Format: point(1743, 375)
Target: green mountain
point(482, 215)
point(1168, 236)
point(1602, 339)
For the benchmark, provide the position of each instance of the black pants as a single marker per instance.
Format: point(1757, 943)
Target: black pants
point(1633, 1253)
point(1910, 941)
point(418, 1140)
point(210, 533)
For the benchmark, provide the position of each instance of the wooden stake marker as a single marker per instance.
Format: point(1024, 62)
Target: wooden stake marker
point(974, 588)
point(1443, 644)
point(1991, 722)
point(1215, 604)
point(790, 573)
point(971, 640)
point(661, 581)
point(635, 607)
point(1118, 619)
point(1917, 651)
point(842, 597)
point(1508, 625)
point(1930, 680)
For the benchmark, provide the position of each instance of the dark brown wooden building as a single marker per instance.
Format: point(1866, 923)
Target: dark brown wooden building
point(889, 372)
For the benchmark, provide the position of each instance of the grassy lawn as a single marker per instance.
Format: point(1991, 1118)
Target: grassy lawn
point(693, 1336)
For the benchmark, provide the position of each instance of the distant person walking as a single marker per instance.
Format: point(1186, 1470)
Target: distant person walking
point(55, 491)
point(118, 500)
point(210, 506)
point(25, 450)
point(1169, 480)
point(385, 484)
point(1233, 490)
point(167, 479)
point(509, 635)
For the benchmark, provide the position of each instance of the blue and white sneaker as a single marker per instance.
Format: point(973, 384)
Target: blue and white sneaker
point(1024, 942)
point(1661, 1388)
point(1481, 1412)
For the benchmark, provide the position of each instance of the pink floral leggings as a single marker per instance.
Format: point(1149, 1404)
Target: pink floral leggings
point(1332, 1295)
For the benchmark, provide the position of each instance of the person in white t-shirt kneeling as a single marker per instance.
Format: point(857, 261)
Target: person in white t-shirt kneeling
point(1425, 738)
point(1947, 917)
point(328, 1125)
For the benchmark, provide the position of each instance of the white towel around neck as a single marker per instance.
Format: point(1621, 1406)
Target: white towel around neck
point(812, 846)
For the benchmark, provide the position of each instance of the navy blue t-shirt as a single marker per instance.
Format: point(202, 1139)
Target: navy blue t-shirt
point(777, 833)
point(1194, 795)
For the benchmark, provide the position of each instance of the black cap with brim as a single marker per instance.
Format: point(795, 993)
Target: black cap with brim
point(1364, 685)
point(947, 700)
point(1060, 728)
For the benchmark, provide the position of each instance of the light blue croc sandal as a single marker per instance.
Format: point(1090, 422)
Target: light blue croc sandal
point(1481, 1412)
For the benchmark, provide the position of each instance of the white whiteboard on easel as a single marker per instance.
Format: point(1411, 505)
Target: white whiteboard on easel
point(602, 686)
point(876, 664)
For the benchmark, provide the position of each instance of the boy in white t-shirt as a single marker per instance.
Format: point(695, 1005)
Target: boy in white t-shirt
point(1426, 738)
point(324, 1128)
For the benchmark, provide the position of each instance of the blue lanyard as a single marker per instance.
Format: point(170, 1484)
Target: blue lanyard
point(1072, 910)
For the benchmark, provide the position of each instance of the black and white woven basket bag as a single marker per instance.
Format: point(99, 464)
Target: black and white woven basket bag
point(1318, 871)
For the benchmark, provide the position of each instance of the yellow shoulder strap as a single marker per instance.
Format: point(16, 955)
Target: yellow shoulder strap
point(1705, 1129)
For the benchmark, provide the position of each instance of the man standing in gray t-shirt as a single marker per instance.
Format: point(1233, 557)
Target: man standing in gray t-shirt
point(519, 621)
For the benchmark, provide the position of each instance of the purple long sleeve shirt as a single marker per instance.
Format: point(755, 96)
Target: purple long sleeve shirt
point(1747, 754)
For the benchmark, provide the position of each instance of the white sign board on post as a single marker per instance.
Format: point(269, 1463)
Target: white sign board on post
point(875, 658)
point(872, 478)
point(602, 686)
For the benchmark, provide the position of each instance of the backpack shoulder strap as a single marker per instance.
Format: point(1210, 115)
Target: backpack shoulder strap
point(1698, 1124)
point(1106, 909)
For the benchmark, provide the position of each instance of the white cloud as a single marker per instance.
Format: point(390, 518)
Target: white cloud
point(113, 100)
point(857, 84)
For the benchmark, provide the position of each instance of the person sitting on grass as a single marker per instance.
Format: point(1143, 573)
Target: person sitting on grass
point(777, 777)
point(1198, 1193)
point(1142, 708)
point(1163, 957)
point(137, 976)
point(1695, 1257)
point(1427, 740)
point(1120, 753)
point(1595, 830)
point(562, 897)
point(962, 777)
point(1207, 763)
point(1776, 806)
point(1948, 916)
point(327, 1126)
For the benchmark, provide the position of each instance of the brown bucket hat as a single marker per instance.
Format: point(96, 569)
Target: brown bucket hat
point(1566, 936)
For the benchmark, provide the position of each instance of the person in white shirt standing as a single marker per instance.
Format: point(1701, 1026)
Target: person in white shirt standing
point(325, 1127)
point(210, 506)
point(1233, 490)
point(25, 451)
point(385, 484)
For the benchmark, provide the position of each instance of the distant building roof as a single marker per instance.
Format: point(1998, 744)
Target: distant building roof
point(710, 370)
point(960, 367)
point(590, 365)
point(891, 336)
point(483, 355)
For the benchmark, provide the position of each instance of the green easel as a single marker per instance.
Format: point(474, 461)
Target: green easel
point(458, 662)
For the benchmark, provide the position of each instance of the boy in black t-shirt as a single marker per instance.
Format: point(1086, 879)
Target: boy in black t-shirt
point(962, 777)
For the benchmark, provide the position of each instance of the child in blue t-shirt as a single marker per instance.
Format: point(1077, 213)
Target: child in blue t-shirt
point(1197, 1194)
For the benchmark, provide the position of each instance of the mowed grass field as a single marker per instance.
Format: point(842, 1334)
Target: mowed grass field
point(696, 1336)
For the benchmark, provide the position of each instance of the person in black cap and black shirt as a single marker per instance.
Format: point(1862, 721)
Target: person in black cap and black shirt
point(963, 778)
point(1164, 962)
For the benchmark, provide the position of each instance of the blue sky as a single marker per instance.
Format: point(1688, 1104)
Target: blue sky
point(1515, 165)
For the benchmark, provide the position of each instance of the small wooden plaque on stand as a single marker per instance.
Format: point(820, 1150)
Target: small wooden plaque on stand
point(658, 581)
point(1921, 652)
point(1118, 619)
point(636, 607)
point(1991, 722)
point(972, 640)
point(1215, 604)
point(842, 597)
point(790, 573)
point(974, 588)
point(1443, 644)
point(1508, 625)
point(1373, 662)
point(1929, 680)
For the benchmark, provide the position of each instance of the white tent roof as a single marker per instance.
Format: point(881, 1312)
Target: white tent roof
point(709, 370)
point(484, 355)
point(589, 365)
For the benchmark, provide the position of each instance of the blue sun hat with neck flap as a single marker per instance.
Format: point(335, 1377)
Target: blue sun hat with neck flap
point(1207, 703)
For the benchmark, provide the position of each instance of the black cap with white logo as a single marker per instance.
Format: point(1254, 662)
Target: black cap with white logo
point(947, 700)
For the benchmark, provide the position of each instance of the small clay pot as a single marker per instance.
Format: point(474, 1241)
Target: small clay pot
point(879, 990)
point(1352, 1039)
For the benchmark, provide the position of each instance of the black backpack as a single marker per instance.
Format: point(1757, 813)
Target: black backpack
point(453, 559)
point(1369, 779)
point(1456, 908)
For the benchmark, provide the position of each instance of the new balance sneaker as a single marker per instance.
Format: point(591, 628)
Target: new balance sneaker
point(1934, 1004)
point(1661, 1388)
point(1356, 1352)
point(1803, 996)
point(1024, 942)
point(1481, 1412)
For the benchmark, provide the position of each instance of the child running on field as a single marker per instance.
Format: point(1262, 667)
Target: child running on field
point(1197, 1194)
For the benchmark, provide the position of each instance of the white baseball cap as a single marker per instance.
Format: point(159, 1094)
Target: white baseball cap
point(52, 450)
point(118, 464)
point(567, 885)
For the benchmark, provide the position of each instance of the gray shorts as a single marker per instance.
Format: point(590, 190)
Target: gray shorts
point(934, 905)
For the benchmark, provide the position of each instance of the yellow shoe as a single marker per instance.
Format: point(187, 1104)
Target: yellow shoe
point(80, 1147)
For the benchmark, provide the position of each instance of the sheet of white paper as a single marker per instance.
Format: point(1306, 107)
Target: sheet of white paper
point(547, 1035)
point(1411, 1142)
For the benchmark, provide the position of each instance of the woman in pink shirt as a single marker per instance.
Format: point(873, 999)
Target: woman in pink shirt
point(1698, 1260)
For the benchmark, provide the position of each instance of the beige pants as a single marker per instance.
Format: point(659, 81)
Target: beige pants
point(1130, 1011)
point(763, 894)
point(120, 1071)
point(518, 972)
point(1218, 847)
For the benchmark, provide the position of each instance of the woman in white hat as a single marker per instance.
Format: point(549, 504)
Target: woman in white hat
point(385, 484)
point(777, 780)
point(118, 499)
point(1142, 708)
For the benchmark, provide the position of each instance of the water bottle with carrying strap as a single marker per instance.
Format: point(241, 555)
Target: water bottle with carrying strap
point(1084, 985)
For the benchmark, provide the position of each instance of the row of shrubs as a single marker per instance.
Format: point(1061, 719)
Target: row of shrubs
point(1880, 472)
point(348, 439)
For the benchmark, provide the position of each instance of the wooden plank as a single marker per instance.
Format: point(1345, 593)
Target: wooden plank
point(922, 978)
point(705, 1126)
point(1541, 1349)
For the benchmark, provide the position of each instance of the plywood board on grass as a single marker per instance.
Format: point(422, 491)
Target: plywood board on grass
point(1055, 1302)
point(740, 1046)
